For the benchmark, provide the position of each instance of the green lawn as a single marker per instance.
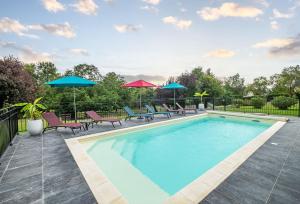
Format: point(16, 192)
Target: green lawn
point(267, 109)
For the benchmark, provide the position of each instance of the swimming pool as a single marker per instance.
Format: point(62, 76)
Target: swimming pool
point(149, 165)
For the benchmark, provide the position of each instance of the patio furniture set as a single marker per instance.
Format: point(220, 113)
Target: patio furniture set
point(94, 118)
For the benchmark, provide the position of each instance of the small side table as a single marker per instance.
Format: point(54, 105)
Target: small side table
point(86, 124)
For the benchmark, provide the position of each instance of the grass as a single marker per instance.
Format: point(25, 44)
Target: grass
point(267, 109)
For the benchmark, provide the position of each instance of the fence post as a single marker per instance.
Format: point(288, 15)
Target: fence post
point(224, 103)
point(299, 106)
point(213, 103)
point(9, 126)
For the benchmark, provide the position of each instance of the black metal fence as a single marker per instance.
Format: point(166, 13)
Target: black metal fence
point(249, 105)
point(8, 127)
point(234, 104)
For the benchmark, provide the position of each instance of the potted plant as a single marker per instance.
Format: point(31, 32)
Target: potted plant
point(199, 94)
point(33, 113)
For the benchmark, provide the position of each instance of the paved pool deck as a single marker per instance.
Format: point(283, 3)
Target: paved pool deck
point(41, 169)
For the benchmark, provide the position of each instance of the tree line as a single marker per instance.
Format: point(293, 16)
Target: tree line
point(25, 82)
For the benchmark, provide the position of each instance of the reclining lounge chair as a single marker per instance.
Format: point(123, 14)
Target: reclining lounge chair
point(131, 114)
point(178, 111)
point(187, 109)
point(152, 110)
point(97, 118)
point(54, 122)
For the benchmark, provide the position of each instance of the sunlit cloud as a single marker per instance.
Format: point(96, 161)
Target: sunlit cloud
point(63, 30)
point(27, 54)
point(79, 51)
point(153, 2)
point(181, 24)
point(53, 5)
point(274, 43)
point(229, 10)
point(291, 49)
point(220, 53)
point(8, 25)
point(278, 14)
point(124, 28)
point(274, 25)
point(87, 7)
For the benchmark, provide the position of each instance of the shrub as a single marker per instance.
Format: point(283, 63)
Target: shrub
point(258, 102)
point(238, 102)
point(283, 102)
point(247, 102)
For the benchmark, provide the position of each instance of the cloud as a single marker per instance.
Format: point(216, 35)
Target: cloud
point(79, 51)
point(151, 78)
point(149, 8)
point(278, 14)
point(265, 3)
point(291, 49)
point(274, 25)
point(228, 10)
point(53, 5)
point(221, 53)
point(181, 24)
point(285, 47)
point(124, 28)
point(27, 54)
point(63, 30)
point(8, 25)
point(153, 2)
point(183, 10)
point(88, 7)
point(274, 43)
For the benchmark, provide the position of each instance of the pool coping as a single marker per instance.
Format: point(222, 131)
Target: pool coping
point(105, 192)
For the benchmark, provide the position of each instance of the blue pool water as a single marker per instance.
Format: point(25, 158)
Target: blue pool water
point(174, 155)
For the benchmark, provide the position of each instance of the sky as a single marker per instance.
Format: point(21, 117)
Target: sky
point(155, 39)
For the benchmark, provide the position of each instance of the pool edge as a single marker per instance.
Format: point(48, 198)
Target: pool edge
point(198, 189)
point(105, 192)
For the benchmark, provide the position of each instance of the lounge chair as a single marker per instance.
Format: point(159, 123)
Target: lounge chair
point(187, 109)
point(131, 114)
point(97, 118)
point(54, 122)
point(152, 110)
point(179, 111)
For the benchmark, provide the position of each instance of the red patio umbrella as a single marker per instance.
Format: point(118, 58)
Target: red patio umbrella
point(139, 84)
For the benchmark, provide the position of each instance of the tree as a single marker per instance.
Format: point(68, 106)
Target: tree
point(45, 72)
point(235, 85)
point(286, 81)
point(90, 72)
point(15, 82)
point(109, 94)
point(259, 86)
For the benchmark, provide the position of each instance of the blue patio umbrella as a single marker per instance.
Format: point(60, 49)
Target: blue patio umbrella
point(72, 81)
point(174, 86)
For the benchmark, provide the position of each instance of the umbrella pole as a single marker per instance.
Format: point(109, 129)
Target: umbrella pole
point(140, 102)
point(174, 100)
point(74, 101)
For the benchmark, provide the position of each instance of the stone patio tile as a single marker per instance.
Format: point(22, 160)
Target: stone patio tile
point(21, 190)
point(55, 184)
point(67, 194)
point(85, 198)
point(284, 195)
point(20, 173)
